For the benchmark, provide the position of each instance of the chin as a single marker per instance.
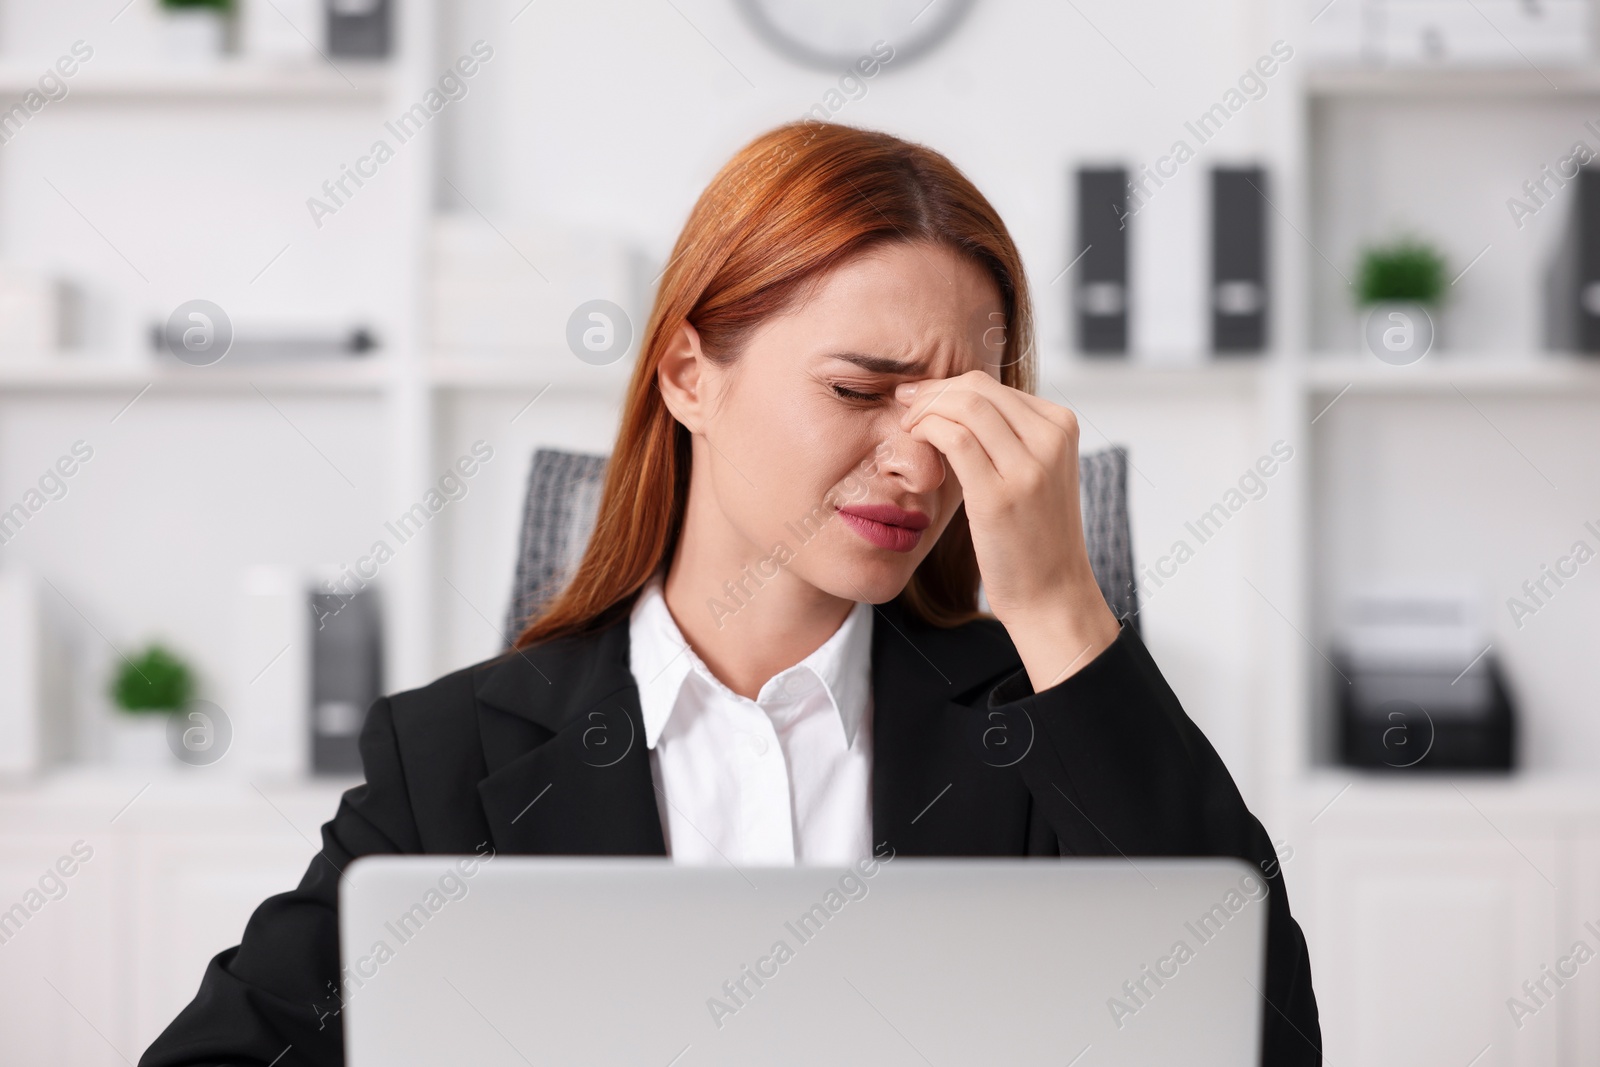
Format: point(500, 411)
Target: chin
point(865, 574)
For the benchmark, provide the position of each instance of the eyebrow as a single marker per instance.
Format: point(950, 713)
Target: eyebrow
point(880, 364)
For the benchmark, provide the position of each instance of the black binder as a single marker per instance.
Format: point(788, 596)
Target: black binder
point(1238, 260)
point(359, 28)
point(1572, 311)
point(1100, 288)
point(346, 673)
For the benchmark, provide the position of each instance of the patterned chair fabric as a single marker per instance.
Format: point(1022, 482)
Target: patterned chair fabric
point(564, 495)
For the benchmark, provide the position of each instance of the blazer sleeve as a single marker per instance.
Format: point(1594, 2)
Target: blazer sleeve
point(273, 998)
point(1117, 767)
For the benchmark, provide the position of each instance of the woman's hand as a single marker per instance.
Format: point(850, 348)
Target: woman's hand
point(1016, 457)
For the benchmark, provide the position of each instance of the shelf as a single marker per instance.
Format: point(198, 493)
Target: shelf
point(1509, 374)
point(530, 370)
point(1074, 375)
point(1520, 374)
point(354, 81)
point(535, 370)
point(72, 373)
point(1465, 83)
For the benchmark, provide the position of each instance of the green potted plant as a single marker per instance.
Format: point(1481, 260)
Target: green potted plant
point(1399, 286)
point(147, 691)
point(196, 30)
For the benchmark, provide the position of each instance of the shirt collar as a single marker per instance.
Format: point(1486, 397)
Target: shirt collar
point(661, 662)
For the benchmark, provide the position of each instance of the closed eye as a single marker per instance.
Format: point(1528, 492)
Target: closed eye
point(851, 394)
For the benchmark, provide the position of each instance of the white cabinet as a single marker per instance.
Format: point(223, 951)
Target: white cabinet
point(1432, 937)
point(61, 952)
point(1428, 904)
point(117, 948)
point(195, 893)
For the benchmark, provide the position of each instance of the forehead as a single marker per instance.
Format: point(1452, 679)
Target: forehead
point(905, 301)
point(926, 280)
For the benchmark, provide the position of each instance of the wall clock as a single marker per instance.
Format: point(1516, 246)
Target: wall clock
point(830, 34)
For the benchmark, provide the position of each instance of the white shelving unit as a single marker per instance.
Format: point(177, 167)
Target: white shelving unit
point(181, 856)
point(1428, 899)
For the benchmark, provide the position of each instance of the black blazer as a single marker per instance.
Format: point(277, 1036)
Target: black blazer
point(542, 752)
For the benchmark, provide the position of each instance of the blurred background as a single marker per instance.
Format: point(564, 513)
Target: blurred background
point(292, 290)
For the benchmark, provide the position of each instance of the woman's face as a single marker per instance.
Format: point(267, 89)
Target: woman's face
point(799, 449)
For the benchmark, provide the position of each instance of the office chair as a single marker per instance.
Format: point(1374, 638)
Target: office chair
point(564, 495)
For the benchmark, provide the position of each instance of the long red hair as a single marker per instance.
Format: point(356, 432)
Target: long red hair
point(791, 205)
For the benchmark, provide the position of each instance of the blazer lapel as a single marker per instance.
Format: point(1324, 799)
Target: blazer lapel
point(569, 773)
point(944, 779)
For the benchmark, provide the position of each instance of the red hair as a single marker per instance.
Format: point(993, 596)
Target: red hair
point(790, 206)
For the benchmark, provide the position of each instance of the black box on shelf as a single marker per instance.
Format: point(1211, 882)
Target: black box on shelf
point(1572, 290)
point(1425, 720)
point(1100, 286)
point(1418, 685)
point(1238, 260)
point(346, 675)
point(359, 28)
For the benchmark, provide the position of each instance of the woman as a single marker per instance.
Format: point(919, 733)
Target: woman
point(771, 651)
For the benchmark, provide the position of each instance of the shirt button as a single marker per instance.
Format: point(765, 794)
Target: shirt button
point(758, 744)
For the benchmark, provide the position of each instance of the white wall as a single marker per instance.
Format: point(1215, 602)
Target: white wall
point(616, 114)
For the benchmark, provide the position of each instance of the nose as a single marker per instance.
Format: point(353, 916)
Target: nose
point(916, 466)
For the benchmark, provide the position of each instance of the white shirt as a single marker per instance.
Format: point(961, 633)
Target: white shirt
point(780, 780)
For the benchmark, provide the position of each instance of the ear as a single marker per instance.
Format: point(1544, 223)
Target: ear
point(681, 377)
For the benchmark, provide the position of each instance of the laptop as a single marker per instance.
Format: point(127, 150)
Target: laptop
point(517, 961)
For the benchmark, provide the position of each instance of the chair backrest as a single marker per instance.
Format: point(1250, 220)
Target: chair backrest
point(564, 494)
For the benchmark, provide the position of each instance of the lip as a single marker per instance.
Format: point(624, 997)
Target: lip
point(886, 526)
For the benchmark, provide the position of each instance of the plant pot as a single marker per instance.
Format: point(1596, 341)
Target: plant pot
point(194, 35)
point(1399, 332)
point(139, 740)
